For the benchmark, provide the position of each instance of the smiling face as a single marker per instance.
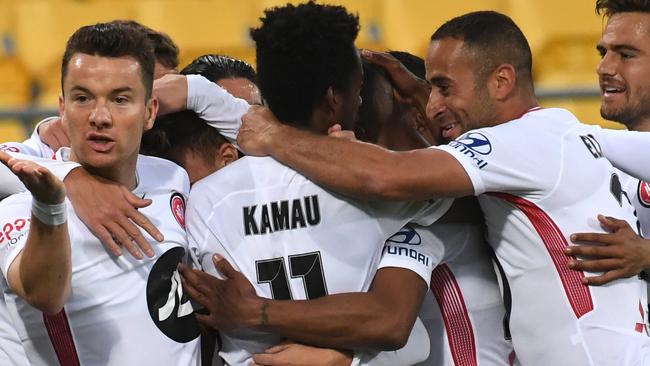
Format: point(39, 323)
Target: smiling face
point(624, 71)
point(105, 111)
point(459, 99)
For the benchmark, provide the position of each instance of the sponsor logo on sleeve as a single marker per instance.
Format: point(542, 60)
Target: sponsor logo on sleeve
point(14, 231)
point(9, 148)
point(177, 203)
point(396, 245)
point(407, 235)
point(644, 193)
point(475, 146)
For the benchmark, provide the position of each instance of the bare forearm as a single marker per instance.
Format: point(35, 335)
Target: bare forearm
point(46, 266)
point(367, 171)
point(354, 320)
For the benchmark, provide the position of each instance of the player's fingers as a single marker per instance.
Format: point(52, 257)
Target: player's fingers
point(4, 157)
point(204, 320)
point(223, 266)
point(590, 238)
point(597, 265)
point(264, 359)
point(591, 251)
point(136, 236)
point(106, 239)
point(611, 223)
point(277, 348)
point(605, 278)
point(142, 221)
point(379, 58)
point(123, 239)
point(193, 293)
point(335, 128)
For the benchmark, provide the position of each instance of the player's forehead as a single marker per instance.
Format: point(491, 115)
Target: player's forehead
point(448, 58)
point(99, 73)
point(629, 27)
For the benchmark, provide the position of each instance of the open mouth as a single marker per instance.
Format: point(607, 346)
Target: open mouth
point(100, 143)
point(450, 131)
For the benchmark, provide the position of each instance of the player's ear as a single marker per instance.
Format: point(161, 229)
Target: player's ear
point(503, 81)
point(151, 111)
point(227, 154)
point(62, 110)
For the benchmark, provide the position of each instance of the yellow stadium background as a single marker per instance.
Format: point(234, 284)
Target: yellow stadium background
point(562, 35)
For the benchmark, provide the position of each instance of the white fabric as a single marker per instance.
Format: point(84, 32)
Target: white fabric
point(627, 150)
point(556, 182)
point(322, 239)
point(215, 105)
point(11, 349)
point(464, 282)
point(415, 350)
point(108, 310)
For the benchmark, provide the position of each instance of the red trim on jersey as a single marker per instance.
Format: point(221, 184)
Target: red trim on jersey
point(58, 329)
point(578, 294)
point(454, 312)
point(530, 110)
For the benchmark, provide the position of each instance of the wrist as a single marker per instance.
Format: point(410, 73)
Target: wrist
point(256, 315)
point(49, 214)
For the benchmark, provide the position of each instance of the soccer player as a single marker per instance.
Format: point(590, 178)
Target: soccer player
point(236, 76)
point(623, 73)
point(463, 313)
point(288, 236)
point(72, 301)
point(530, 160)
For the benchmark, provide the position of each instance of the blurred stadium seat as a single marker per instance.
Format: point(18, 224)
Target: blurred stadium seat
point(12, 130)
point(201, 27)
point(563, 36)
point(408, 25)
point(43, 27)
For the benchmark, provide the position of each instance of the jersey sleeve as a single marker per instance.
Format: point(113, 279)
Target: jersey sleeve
point(391, 216)
point(498, 163)
point(416, 350)
point(15, 221)
point(215, 105)
point(626, 150)
point(415, 249)
point(59, 169)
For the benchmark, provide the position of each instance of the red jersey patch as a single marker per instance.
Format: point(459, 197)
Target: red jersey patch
point(644, 193)
point(177, 203)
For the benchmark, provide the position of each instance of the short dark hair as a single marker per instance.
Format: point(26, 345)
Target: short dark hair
point(367, 127)
point(611, 7)
point(112, 40)
point(493, 38)
point(301, 51)
point(412, 62)
point(178, 131)
point(164, 48)
point(217, 67)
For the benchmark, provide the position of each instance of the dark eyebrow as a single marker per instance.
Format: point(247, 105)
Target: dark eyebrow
point(122, 90)
point(438, 80)
point(624, 47)
point(81, 89)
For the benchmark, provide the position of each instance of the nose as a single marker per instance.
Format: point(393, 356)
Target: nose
point(607, 65)
point(100, 117)
point(435, 105)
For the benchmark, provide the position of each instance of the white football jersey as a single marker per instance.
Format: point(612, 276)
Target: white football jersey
point(541, 178)
point(289, 237)
point(121, 311)
point(463, 313)
point(11, 349)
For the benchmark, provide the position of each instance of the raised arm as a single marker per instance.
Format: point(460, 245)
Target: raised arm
point(356, 169)
point(626, 150)
point(41, 272)
point(380, 319)
point(210, 101)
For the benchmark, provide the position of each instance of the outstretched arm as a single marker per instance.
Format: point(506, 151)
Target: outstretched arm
point(356, 169)
point(42, 271)
point(379, 319)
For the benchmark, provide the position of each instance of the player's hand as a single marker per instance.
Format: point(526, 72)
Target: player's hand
point(295, 354)
point(338, 132)
point(230, 302)
point(43, 185)
point(110, 211)
point(619, 254)
point(405, 82)
point(53, 134)
point(259, 131)
point(171, 91)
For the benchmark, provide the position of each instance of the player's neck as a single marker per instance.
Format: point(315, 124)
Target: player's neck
point(123, 172)
point(642, 124)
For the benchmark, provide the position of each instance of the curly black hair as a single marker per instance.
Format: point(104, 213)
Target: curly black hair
point(302, 50)
point(611, 7)
point(216, 67)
